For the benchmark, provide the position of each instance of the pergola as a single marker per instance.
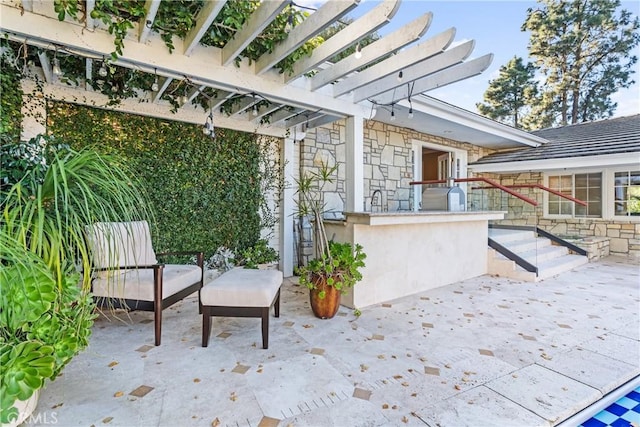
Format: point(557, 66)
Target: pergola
point(317, 92)
point(343, 89)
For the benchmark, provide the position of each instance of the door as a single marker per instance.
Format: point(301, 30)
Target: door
point(444, 166)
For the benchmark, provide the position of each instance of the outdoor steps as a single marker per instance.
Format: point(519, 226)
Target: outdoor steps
point(550, 259)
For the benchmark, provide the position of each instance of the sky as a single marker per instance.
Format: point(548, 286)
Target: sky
point(495, 27)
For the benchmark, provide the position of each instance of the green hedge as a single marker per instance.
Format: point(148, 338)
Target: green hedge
point(205, 192)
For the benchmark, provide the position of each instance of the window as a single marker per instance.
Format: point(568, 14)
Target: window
point(586, 187)
point(627, 193)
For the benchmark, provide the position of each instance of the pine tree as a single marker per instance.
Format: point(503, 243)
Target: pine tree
point(584, 51)
point(508, 97)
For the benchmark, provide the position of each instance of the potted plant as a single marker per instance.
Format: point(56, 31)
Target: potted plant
point(49, 193)
point(336, 266)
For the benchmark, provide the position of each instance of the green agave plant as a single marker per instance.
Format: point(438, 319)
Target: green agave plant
point(46, 310)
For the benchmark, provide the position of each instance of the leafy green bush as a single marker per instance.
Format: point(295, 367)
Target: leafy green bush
point(260, 253)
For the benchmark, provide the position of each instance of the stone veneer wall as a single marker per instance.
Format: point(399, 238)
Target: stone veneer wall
point(388, 163)
point(624, 236)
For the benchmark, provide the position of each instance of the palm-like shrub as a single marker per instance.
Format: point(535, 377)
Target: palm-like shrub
point(46, 310)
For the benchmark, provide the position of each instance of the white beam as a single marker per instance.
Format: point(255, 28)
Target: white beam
point(134, 106)
point(370, 53)
point(257, 22)
point(203, 66)
point(194, 92)
point(89, 22)
point(313, 25)
point(287, 208)
point(144, 26)
point(303, 118)
point(442, 78)
point(88, 74)
point(354, 181)
point(438, 62)
point(263, 111)
point(27, 5)
point(220, 98)
point(46, 66)
point(244, 104)
point(283, 114)
point(394, 64)
point(323, 120)
point(204, 19)
point(357, 30)
point(164, 84)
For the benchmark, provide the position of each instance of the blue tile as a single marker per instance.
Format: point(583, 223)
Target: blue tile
point(627, 403)
point(605, 416)
point(616, 409)
point(634, 395)
point(632, 417)
point(620, 423)
point(592, 422)
point(636, 408)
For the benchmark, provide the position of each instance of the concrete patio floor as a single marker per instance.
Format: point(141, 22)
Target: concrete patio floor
point(486, 351)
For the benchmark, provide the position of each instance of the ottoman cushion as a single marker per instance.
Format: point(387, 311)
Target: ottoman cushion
point(242, 288)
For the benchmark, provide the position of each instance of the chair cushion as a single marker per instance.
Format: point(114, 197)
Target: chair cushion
point(120, 244)
point(137, 284)
point(242, 288)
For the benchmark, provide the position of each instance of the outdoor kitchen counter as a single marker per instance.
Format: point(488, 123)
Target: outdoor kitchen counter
point(411, 252)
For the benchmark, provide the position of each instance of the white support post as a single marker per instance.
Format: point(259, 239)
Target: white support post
point(354, 184)
point(287, 208)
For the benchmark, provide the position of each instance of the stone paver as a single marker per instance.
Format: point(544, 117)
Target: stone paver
point(495, 342)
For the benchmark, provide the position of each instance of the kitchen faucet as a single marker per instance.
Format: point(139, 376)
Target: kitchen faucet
point(376, 200)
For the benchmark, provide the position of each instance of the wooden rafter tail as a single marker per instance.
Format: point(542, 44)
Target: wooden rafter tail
point(400, 61)
point(204, 19)
point(144, 25)
point(255, 24)
point(357, 30)
point(310, 27)
point(376, 50)
point(164, 84)
point(46, 66)
point(433, 64)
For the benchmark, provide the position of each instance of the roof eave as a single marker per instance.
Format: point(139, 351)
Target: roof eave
point(606, 160)
point(459, 115)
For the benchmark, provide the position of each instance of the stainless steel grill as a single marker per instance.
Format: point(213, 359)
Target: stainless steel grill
point(443, 199)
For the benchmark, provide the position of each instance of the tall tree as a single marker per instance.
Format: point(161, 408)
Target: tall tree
point(508, 97)
point(583, 48)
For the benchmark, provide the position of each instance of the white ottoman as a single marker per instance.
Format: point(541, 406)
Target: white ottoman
point(241, 293)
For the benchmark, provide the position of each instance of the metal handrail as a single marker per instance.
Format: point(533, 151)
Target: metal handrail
point(549, 190)
point(512, 256)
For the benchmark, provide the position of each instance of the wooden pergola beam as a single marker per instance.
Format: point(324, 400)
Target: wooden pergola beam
point(205, 18)
point(389, 43)
point(441, 78)
point(46, 66)
point(164, 84)
point(396, 63)
point(144, 26)
point(89, 22)
point(310, 27)
point(255, 24)
point(357, 30)
point(438, 62)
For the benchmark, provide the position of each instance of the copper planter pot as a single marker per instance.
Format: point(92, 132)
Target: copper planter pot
point(327, 307)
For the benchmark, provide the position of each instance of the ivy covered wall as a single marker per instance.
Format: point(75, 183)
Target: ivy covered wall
point(205, 192)
point(10, 96)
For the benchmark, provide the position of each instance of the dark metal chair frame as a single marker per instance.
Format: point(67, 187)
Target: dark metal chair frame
point(158, 304)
